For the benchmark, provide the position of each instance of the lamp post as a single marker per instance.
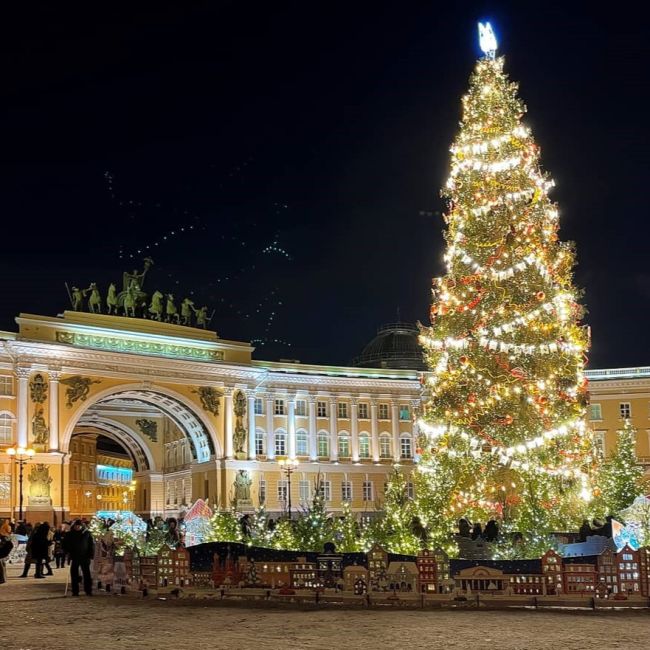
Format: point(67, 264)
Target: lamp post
point(288, 466)
point(21, 456)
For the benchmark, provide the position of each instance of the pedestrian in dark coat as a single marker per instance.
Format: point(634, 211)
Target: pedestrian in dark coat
point(41, 549)
point(79, 545)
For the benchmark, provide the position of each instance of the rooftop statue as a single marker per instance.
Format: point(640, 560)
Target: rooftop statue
point(133, 302)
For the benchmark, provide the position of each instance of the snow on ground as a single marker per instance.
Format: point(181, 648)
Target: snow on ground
point(34, 615)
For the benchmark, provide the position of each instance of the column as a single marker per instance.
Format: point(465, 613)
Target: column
point(270, 436)
point(354, 428)
point(334, 439)
point(374, 430)
point(54, 410)
point(313, 441)
point(227, 420)
point(251, 425)
point(22, 413)
point(394, 409)
point(291, 427)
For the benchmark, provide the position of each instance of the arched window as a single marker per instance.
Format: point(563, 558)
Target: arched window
point(6, 427)
point(302, 443)
point(323, 444)
point(344, 445)
point(384, 445)
point(406, 450)
point(280, 443)
point(260, 442)
point(364, 445)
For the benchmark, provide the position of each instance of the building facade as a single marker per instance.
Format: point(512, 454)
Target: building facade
point(198, 417)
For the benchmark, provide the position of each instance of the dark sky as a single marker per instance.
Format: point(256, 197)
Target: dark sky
point(322, 126)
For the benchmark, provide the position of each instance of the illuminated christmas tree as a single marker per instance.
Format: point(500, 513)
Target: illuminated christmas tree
point(620, 475)
point(396, 530)
point(503, 422)
point(224, 527)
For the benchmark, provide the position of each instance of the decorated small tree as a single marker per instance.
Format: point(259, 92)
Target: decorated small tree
point(399, 530)
point(224, 527)
point(313, 528)
point(346, 530)
point(620, 475)
point(259, 533)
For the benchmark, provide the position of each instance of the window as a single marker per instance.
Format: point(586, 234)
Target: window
point(410, 490)
point(625, 409)
point(384, 445)
point(404, 412)
point(363, 411)
point(364, 446)
point(405, 450)
point(280, 443)
point(260, 443)
point(323, 444)
point(595, 412)
point(6, 427)
point(279, 407)
point(262, 491)
point(367, 491)
point(346, 491)
point(343, 410)
point(599, 442)
point(283, 492)
point(325, 490)
point(305, 492)
point(259, 406)
point(301, 407)
point(383, 411)
point(321, 409)
point(344, 446)
point(301, 443)
point(6, 385)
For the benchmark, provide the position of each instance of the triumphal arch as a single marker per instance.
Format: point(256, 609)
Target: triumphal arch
point(127, 412)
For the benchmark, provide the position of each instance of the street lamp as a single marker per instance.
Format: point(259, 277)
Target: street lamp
point(288, 466)
point(21, 456)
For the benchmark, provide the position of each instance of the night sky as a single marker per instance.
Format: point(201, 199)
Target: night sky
point(286, 158)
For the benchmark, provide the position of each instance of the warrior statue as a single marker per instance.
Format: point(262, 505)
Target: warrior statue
point(95, 300)
point(111, 299)
point(40, 430)
point(243, 487)
point(156, 306)
point(202, 319)
point(131, 299)
point(187, 307)
point(77, 299)
point(171, 311)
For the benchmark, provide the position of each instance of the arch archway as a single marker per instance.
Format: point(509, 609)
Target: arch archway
point(199, 431)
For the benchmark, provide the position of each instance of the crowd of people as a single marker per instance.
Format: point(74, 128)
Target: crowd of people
point(70, 543)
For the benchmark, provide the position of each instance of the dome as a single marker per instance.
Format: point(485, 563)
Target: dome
point(395, 346)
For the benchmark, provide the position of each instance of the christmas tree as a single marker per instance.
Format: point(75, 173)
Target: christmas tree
point(503, 421)
point(346, 532)
point(397, 531)
point(620, 475)
point(224, 527)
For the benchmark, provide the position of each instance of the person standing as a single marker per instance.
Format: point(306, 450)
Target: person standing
point(79, 544)
point(59, 553)
point(41, 549)
point(6, 546)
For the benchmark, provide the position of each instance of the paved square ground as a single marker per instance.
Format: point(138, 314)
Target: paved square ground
point(35, 615)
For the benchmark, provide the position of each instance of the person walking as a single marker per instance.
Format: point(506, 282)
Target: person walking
point(28, 552)
point(79, 545)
